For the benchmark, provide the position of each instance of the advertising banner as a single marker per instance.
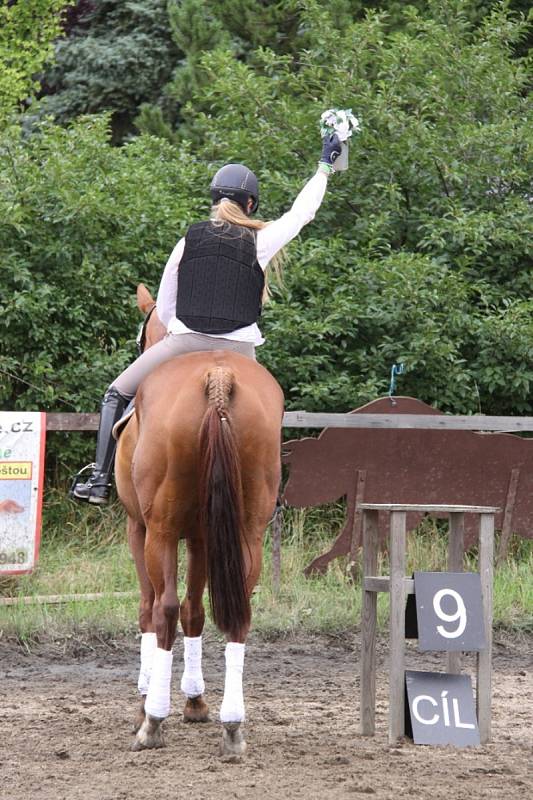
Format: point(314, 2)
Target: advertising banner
point(22, 440)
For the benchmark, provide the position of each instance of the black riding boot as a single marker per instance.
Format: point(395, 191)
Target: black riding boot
point(97, 489)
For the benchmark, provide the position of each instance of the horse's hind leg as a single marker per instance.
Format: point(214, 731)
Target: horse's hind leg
point(192, 616)
point(136, 539)
point(161, 566)
point(232, 710)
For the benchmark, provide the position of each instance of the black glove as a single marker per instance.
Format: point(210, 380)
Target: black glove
point(331, 149)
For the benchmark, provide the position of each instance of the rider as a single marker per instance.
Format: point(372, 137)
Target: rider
point(217, 302)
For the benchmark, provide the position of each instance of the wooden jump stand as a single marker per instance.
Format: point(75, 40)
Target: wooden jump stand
point(399, 586)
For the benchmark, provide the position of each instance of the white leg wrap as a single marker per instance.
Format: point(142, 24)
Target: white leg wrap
point(232, 709)
point(192, 681)
point(158, 698)
point(148, 647)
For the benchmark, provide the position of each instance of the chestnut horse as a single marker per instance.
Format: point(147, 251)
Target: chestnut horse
point(200, 461)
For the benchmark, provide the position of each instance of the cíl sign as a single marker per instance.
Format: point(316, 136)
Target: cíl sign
point(22, 441)
point(441, 709)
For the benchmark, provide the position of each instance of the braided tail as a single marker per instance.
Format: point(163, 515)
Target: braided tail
point(221, 505)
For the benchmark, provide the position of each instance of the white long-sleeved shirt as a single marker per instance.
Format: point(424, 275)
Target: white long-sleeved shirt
point(269, 241)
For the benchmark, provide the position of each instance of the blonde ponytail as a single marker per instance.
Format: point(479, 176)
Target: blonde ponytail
point(228, 211)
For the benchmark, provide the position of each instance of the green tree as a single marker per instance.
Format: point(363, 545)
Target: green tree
point(27, 31)
point(117, 56)
point(283, 27)
point(143, 61)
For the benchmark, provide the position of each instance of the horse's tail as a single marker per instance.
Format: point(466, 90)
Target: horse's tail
point(221, 504)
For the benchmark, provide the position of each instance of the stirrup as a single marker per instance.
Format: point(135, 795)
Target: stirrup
point(96, 490)
point(77, 476)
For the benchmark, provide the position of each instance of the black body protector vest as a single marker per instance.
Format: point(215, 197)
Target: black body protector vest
point(220, 282)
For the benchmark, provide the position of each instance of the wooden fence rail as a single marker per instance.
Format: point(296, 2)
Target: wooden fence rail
point(305, 419)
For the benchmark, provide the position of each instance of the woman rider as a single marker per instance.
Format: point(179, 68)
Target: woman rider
point(216, 303)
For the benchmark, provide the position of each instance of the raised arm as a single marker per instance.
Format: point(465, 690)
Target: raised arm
point(278, 233)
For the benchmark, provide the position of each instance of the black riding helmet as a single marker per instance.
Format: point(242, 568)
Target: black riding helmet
point(237, 183)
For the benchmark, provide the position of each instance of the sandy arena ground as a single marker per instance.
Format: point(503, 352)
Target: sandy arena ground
point(65, 729)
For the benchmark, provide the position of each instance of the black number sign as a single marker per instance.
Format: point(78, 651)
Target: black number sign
point(449, 611)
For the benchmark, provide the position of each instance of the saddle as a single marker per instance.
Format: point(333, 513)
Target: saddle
point(119, 426)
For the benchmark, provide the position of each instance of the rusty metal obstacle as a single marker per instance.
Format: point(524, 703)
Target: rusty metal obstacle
point(407, 452)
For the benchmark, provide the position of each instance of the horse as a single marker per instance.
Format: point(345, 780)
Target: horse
point(199, 460)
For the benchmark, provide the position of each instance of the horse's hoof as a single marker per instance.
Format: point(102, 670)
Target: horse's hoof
point(153, 743)
point(196, 710)
point(137, 745)
point(233, 743)
point(149, 735)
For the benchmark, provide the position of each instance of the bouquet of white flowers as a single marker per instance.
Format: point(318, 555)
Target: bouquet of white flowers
point(344, 124)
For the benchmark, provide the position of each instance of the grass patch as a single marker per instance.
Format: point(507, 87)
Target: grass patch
point(84, 550)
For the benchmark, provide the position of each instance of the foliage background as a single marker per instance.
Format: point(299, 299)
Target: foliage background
point(420, 253)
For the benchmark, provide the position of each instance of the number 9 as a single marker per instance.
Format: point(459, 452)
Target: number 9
point(459, 615)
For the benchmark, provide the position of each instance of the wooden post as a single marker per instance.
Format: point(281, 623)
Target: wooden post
point(355, 542)
point(508, 515)
point(484, 659)
point(397, 626)
point(368, 625)
point(456, 537)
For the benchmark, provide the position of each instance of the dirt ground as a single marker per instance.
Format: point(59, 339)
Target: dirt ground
point(65, 729)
